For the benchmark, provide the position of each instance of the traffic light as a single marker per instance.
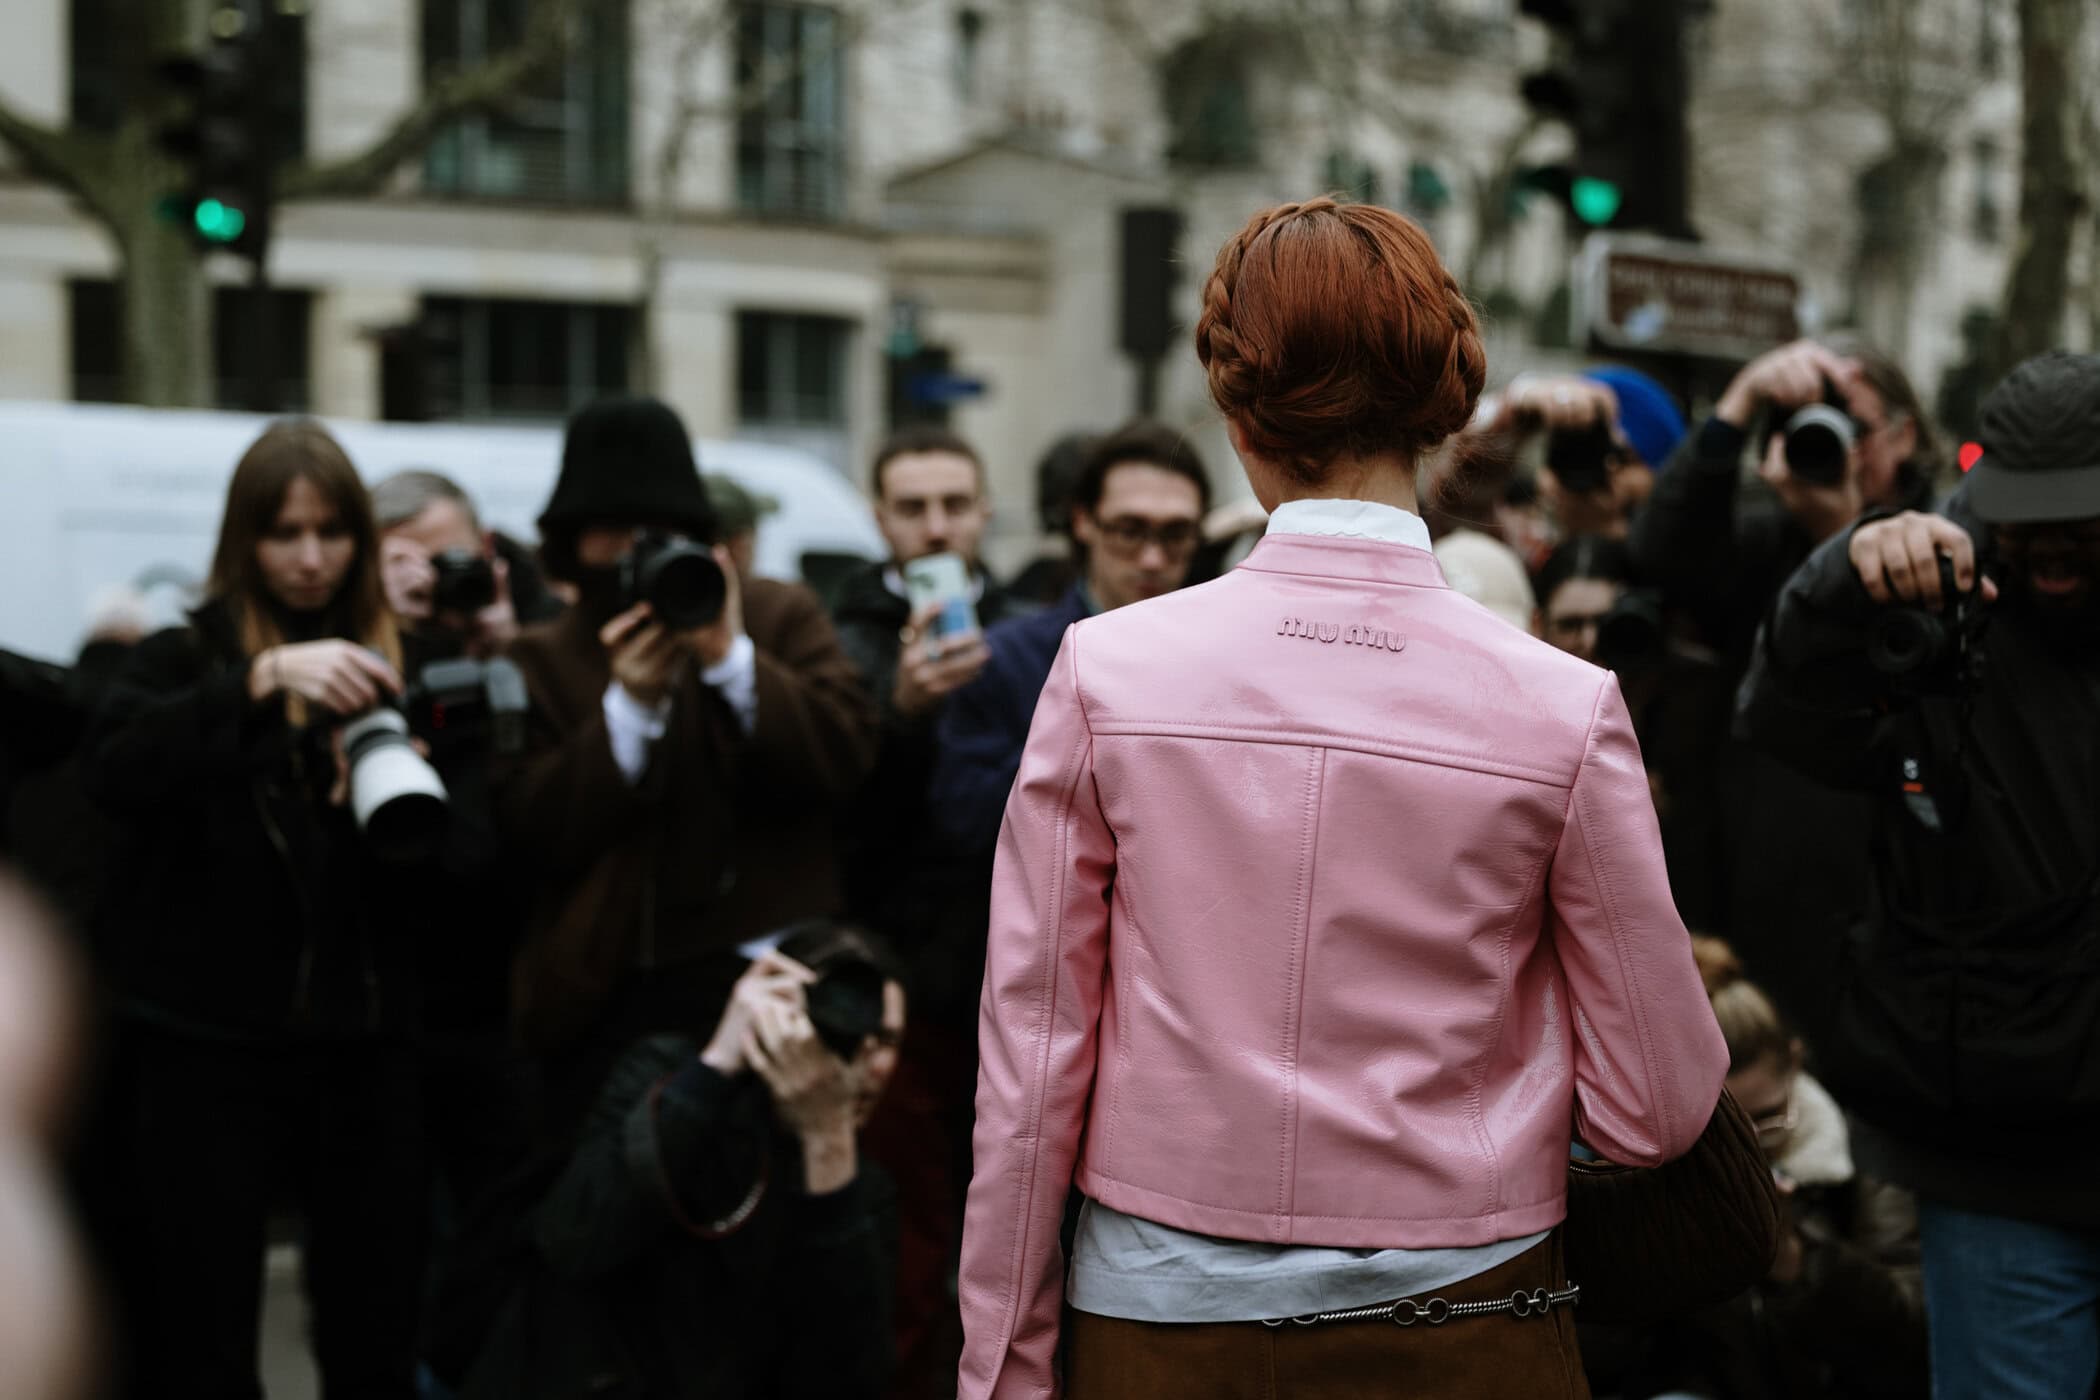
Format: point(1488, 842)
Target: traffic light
point(1617, 80)
point(221, 139)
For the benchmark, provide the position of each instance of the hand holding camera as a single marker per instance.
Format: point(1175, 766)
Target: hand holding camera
point(339, 676)
point(458, 588)
point(646, 655)
point(1898, 559)
point(771, 979)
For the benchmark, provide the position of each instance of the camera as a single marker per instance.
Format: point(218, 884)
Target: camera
point(462, 703)
point(396, 796)
point(1932, 653)
point(1632, 634)
point(395, 792)
point(465, 582)
point(845, 1005)
point(679, 580)
point(1581, 457)
point(1819, 437)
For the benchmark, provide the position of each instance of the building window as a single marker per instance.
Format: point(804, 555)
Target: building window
point(521, 359)
point(969, 52)
point(108, 69)
point(1986, 220)
point(563, 138)
point(1210, 104)
point(1352, 177)
point(790, 140)
point(96, 318)
point(791, 370)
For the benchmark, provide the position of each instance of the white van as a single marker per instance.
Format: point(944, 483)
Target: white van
point(101, 499)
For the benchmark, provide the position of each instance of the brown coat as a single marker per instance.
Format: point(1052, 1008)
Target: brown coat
point(725, 837)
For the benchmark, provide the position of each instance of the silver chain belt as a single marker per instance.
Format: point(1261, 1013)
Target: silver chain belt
point(1438, 1311)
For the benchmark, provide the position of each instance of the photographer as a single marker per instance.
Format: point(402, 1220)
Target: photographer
point(1606, 433)
point(1967, 995)
point(714, 1233)
point(695, 737)
point(264, 953)
point(451, 589)
point(1678, 699)
point(1722, 549)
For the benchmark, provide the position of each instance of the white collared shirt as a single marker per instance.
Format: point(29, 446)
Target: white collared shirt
point(1359, 520)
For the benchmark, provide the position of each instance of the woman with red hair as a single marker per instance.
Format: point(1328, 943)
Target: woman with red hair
point(1329, 907)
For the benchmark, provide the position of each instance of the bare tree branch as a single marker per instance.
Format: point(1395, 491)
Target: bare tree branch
point(478, 89)
point(77, 162)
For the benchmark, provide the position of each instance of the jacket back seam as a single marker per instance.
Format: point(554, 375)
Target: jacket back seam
point(1295, 975)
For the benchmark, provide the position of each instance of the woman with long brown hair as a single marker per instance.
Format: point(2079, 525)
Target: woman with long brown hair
point(1328, 908)
point(261, 959)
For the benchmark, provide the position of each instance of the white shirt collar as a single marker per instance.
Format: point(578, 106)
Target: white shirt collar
point(1365, 520)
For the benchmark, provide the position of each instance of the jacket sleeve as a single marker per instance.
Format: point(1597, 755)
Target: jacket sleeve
point(846, 1271)
point(976, 759)
point(169, 726)
point(563, 801)
point(1684, 538)
point(1810, 698)
point(816, 734)
point(660, 1126)
point(1649, 1059)
point(1043, 982)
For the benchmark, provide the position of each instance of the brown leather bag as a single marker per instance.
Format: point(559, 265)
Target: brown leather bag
point(1647, 1243)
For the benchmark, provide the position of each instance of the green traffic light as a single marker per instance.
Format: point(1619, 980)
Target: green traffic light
point(218, 222)
point(1595, 201)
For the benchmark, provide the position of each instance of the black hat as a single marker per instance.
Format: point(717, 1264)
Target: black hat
point(628, 461)
point(2041, 443)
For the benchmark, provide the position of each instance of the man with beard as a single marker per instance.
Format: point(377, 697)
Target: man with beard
point(1949, 665)
point(682, 773)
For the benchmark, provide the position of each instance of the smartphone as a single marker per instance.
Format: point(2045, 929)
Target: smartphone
point(943, 579)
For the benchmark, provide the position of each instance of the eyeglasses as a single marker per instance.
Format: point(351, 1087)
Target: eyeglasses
point(1775, 1125)
point(1129, 534)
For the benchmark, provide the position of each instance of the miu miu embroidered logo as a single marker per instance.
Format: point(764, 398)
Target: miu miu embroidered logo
point(1355, 634)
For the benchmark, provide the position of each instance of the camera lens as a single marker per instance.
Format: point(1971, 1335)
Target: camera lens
point(683, 584)
point(1818, 438)
point(396, 796)
point(465, 582)
point(1907, 642)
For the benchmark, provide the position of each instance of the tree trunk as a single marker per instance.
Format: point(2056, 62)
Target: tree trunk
point(164, 300)
point(2051, 195)
point(166, 315)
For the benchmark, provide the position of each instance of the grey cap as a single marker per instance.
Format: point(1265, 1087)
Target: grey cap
point(737, 508)
point(2041, 443)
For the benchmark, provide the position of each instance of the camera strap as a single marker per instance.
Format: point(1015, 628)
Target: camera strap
point(1931, 779)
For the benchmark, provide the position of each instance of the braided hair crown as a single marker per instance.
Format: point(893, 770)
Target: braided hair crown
point(1334, 330)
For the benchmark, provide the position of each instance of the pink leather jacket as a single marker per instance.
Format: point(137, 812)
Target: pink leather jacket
point(1328, 906)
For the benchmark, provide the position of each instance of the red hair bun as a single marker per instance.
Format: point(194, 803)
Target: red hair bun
point(1333, 330)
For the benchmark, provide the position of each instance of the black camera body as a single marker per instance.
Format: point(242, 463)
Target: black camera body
point(1819, 437)
point(1634, 634)
point(679, 580)
point(465, 582)
point(1927, 653)
point(1581, 458)
point(462, 703)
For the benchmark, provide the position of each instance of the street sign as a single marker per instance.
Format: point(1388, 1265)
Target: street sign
point(1653, 294)
point(943, 388)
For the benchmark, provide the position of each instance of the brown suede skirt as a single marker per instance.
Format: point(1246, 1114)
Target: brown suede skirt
point(1469, 1358)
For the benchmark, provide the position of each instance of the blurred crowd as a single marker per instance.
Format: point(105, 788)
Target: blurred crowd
point(576, 948)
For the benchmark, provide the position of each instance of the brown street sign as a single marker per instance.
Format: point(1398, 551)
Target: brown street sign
point(1637, 293)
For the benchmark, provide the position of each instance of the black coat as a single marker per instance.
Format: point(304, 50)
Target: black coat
point(617, 1293)
point(247, 906)
point(1962, 1022)
point(902, 878)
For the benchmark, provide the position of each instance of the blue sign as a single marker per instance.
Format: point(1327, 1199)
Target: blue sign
point(941, 388)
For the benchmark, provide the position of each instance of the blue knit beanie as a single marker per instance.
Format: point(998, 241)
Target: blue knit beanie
point(1648, 415)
